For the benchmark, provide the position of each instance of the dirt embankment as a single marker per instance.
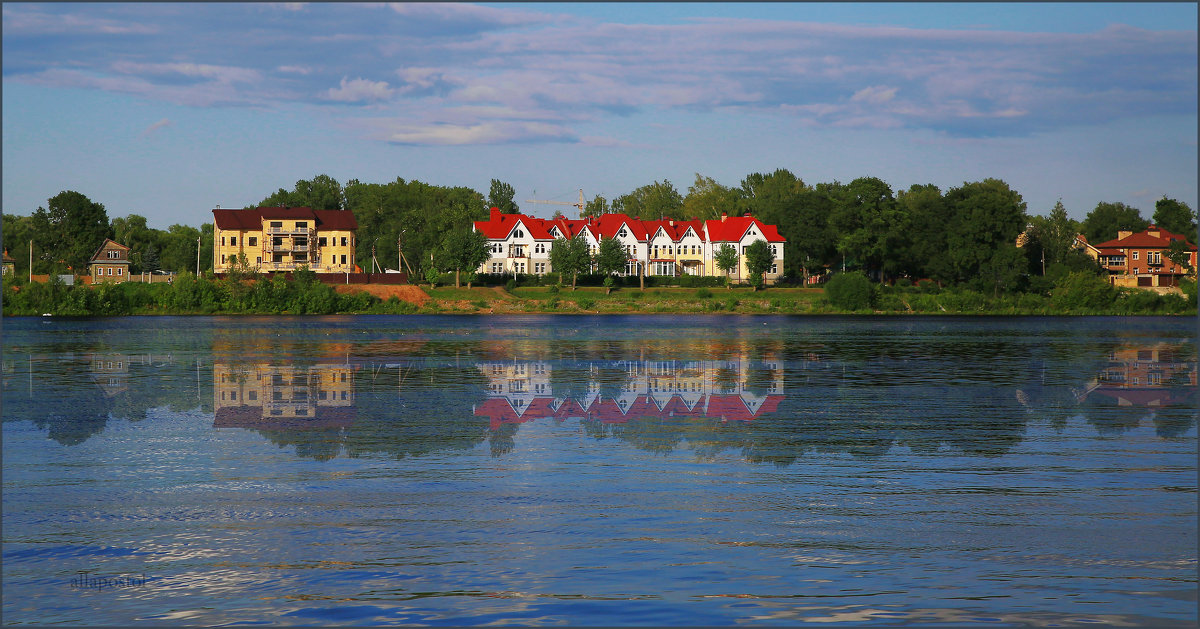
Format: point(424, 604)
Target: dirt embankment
point(405, 292)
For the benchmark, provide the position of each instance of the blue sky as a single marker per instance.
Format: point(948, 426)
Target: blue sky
point(167, 110)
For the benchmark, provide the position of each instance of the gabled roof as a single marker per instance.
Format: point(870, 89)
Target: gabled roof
point(499, 226)
point(1143, 240)
point(252, 219)
point(733, 228)
point(108, 241)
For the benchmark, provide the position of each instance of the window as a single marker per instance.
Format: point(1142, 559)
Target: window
point(222, 241)
point(774, 269)
point(276, 225)
point(519, 267)
point(344, 241)
point(623, 233)
point(343, 259)
point(497, 267)
point(301, 225)
point(1154, 257)
point(120, 270)
point(253, 241)
point(539, 248)
point(321, 241)
point(1135, 255)
point(258, 260)
point(539, 267)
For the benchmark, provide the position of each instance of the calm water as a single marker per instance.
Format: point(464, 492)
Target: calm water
point(600, 471)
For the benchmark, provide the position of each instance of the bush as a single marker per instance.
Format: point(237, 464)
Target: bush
point(903, 282)
point(703, 293)
point(585, 303)
point(850, 291)
point(510, 285)
point(1189, 290)
point(1083, 291)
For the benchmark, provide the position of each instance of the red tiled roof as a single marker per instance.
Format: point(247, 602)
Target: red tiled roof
point(1143, 240)
point(252, 219)
point(734, 227)
point(499, 226)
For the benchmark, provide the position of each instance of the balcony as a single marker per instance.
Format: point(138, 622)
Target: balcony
point(289, 231)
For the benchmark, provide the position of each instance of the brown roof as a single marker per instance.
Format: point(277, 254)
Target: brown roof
point(252, 219)
point(1143, 240)
point(103, 246)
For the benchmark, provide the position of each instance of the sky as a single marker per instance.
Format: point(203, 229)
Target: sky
point(169, 110)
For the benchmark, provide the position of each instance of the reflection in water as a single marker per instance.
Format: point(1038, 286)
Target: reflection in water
point(924, 470)
point(773, 400)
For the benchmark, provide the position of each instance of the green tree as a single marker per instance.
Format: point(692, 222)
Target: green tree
point(611, 257)
point(464, 250)
point(707, 200)
point(320, 193)
point(928, 216)
point(16, 232)
point(726, 259)
point(867, 223)
point(651, 201)
point(850, 291)
point(179, 248)
point(1103, 222)
point(1179, 253)
point(501, 195)
point(1051, 238)
point(595, 208)
point(569, 257)
point(1175, 217)
point(986, 216)
point(758, 259)
point(69, 232)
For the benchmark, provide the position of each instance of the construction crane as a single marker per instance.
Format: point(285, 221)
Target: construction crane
point(580, 205)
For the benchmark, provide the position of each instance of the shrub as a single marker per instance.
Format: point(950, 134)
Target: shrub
point(553, 290)
point(585, 303)
point(1083, 291)
point(703, 293)
point(510, 285)
point(903, 282)
point(850, 291)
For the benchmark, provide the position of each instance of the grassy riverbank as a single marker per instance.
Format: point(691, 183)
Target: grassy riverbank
point(191, 295)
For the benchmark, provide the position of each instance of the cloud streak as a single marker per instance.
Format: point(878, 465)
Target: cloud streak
point(465, 74)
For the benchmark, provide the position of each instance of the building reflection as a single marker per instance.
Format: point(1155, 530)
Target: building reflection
point(616, 392)
point(1139, 382)
point(283, 397)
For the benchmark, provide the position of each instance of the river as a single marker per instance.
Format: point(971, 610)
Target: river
point(600, 470)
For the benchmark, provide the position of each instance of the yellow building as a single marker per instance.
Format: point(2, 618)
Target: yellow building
point(110, 263)
point(284, 239)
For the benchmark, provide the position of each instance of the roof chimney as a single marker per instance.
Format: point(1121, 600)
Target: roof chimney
point(724, 216)
point(671, 222)
point(1123, 234)
point(1153, 231)
point(495, 216)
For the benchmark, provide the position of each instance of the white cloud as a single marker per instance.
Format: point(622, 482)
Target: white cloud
point(359, 90)
point(303, 70)
point(222, 74)
point(156, 126)
point(875, 95)
point(496, 132)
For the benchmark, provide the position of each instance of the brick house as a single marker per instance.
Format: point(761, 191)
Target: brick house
point(1139, 259)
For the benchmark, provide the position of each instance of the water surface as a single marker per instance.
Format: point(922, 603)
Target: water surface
point(600, 470)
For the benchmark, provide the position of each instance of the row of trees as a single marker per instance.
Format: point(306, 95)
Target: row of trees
point(962, 235)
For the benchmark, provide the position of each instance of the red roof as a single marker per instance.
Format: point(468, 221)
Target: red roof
point(723, 407)
point(249, 220)
point(1143, 240)
point(732, 229)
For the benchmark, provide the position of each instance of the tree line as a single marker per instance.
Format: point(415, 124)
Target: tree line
point(961, 236)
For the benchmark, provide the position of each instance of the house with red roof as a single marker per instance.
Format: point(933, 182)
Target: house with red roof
point(282, 239)
point(521, 244)
point(1140, 260)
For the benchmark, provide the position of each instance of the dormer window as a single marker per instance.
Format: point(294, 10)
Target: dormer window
point(624, 233)
point(518, 233)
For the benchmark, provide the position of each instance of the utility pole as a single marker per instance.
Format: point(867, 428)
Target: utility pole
point(198, 256)
point(31, 260)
